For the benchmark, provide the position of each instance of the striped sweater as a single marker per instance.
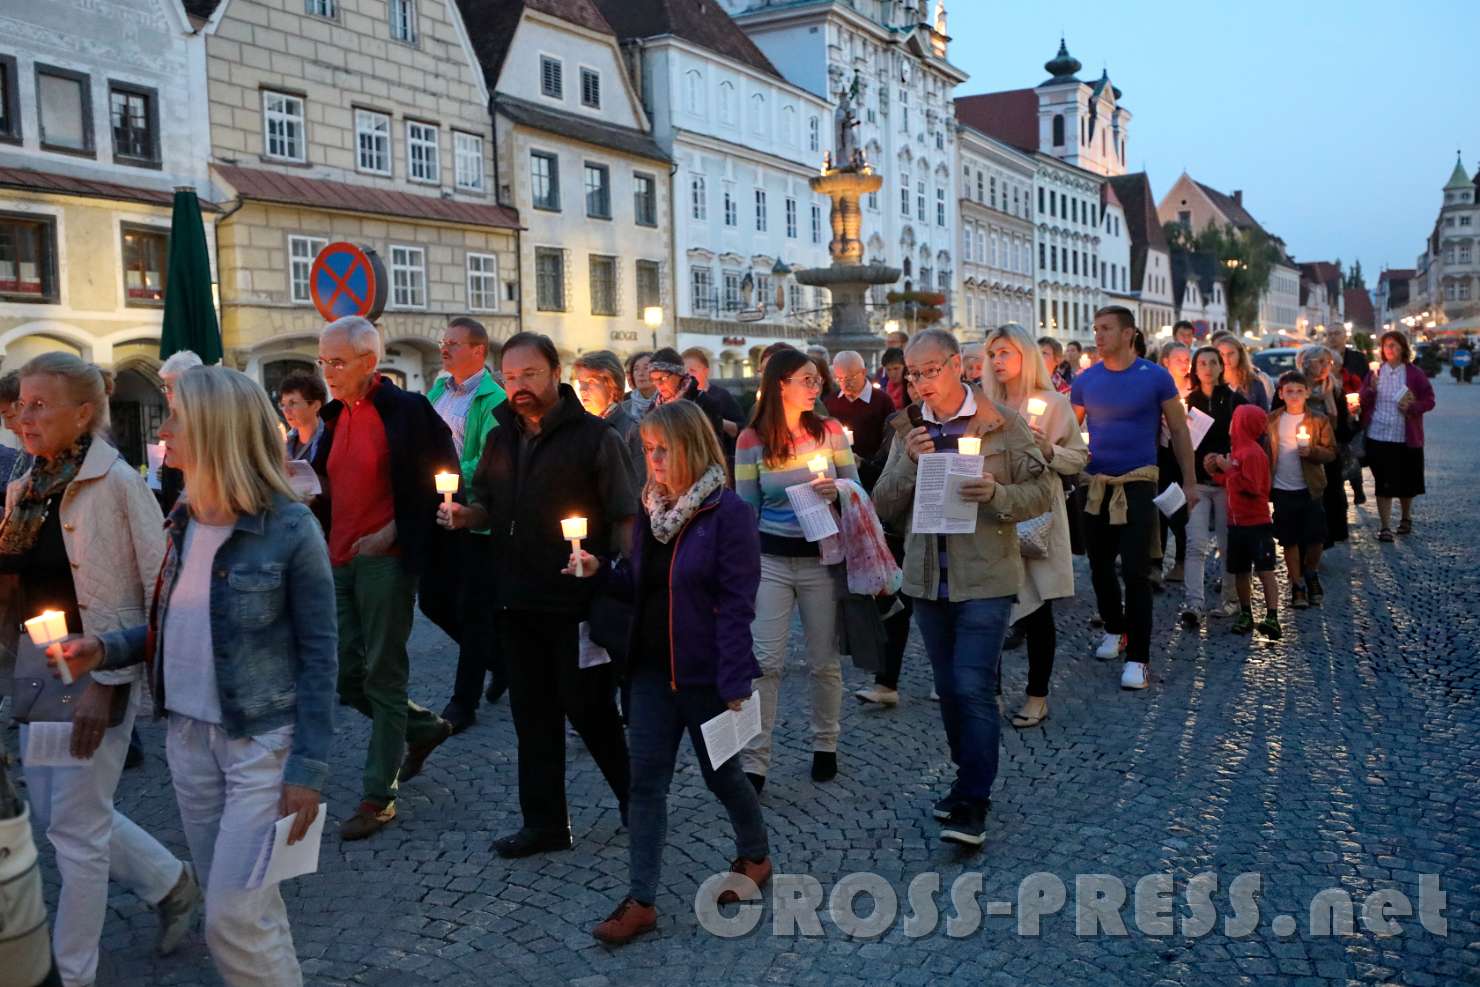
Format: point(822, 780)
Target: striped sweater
point(763, 487)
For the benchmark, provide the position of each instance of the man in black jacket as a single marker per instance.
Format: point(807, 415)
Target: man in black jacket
point(548, 460)
point(381, 448)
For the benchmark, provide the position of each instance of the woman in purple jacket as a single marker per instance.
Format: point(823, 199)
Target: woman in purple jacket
point(693, 576)
point(1394, 401)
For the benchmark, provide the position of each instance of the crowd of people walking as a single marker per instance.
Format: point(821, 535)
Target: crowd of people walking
point(643, 547)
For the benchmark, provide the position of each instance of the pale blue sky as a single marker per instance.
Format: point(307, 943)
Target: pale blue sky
point(1338, 120)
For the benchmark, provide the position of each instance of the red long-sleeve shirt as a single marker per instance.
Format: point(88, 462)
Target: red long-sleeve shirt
point(1250, 476)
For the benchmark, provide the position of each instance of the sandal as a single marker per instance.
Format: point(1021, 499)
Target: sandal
point(1386, 534)
point(1405, 526)
point(1034, 711)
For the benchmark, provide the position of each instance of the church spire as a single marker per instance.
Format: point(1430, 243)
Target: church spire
point(1063, 65)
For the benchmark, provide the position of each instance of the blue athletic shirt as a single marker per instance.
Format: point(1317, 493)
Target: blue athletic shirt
point(1122, 411)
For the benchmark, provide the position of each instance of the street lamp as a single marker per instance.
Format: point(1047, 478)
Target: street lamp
point(653, 316)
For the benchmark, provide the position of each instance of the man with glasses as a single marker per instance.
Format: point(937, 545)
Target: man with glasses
point(859, 404)
point(549, 460)
point(381, 448)
point(464, 397)
point(964, 585)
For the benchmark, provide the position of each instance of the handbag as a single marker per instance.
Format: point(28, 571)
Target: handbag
point(1033, 536)
point(38, 696)
point(25, 940)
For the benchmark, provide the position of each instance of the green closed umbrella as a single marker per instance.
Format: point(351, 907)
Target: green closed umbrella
point(189, 310)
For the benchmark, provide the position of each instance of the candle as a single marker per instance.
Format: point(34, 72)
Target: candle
point(818, 465)
point(848, 434)
point(1302, 437)
point(1085, 436)
point(1084, 361)
point(46, 629)
point(447, 486)
point(1373, 366)
point(1354, 403)
point(1036, 407)
point(573, 528)
point(969, 445)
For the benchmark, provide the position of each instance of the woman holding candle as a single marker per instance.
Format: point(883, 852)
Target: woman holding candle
point(1319, 366)
point(1215, 399)
point(1020, 379)
point(1394, 400)
point(782, 448)
point(81, 533)
point(692, 576)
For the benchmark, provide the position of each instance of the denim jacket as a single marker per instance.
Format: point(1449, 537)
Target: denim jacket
point(272, 629)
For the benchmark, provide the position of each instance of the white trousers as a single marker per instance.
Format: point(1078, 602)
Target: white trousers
point(787, 584)
point(93, 842)
point(229, 792)
point(1212, 503)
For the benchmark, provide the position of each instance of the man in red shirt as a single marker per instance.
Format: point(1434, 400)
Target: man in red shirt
point(381, 448)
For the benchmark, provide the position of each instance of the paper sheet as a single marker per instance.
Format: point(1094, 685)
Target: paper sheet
point(813, 513)
point(1198, 423)
point(49, 745)
point(591, 653)
point(728, 733)
point(939, 507)
point(1170, 500)
point(279, 861)
point(304, 480)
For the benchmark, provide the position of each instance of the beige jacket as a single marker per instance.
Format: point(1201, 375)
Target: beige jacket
point(1052, 577)
point(987, 563)
point(114, 533)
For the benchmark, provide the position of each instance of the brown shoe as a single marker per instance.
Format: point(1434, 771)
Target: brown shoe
point(759, 872)
point(417, 754)
point(631, 919)
point(368, 820)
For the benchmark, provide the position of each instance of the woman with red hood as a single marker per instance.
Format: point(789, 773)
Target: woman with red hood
point(1245, 473)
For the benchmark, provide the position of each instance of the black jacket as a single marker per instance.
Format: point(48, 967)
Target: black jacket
point(576, 466)
point(1220, 407)
point(420, 448)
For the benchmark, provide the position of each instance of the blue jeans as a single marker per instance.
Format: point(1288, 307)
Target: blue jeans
point(656, 721)
point(964, 644)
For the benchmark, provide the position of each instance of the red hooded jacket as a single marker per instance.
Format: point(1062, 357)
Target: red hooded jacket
point(1249, 480)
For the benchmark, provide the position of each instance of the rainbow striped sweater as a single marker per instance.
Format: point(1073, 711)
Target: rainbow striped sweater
point(763, 486)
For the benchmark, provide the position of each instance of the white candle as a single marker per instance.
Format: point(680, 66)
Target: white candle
point(1302, 437)
point(1354, 403)
point(969, 445)
point(446, 486)
point(573, 529)
point(818, 465)
point(1037, 406)
point(46, 629)
point(848, 434)
point(1085, 436)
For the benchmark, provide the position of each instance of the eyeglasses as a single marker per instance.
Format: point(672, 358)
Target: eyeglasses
point(915, 376)
point(338, 365)
point(521, 380)
point(811, 382)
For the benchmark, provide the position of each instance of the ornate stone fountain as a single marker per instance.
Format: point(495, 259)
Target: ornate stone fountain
point(848, 278)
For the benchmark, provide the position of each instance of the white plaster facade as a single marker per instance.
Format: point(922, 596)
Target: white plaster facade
point(1068, 216)
point(997, 234)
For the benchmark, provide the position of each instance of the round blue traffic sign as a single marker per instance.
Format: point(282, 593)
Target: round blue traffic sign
point(347, 280)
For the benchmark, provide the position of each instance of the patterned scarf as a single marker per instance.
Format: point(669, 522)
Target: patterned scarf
point(48, 478)
point(668, 517)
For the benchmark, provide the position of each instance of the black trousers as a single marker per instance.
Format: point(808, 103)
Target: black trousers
point(547, 686)
point(479, 653)
point(1042, 639)
point(1131, 544)
point(896, 628)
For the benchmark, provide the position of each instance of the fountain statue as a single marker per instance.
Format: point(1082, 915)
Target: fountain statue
point(845, 179)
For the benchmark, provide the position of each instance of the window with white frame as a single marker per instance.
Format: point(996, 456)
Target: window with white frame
point(732, 291)
point(644, 199)
point(282, 121)
point(966, 243)
point(904, 194)
point(603, 285)
point(791, 218)
point(408, 277)
point(940, 206)
point(421, 152)
point(598, 191)
point(552, 77)
point(321, 8)
point(699, 197)
point(544, 178)
point(591, 89)
point(467, 160)
point(814, 133)
point(793, 297)
point(482, 282)
point(816, 223)
point(372, 142)
point(763, 295)
point(761, 217)
point(701, 289)
point(301, 252)
point(403, 20)
point(732, 211)
point(920, 200)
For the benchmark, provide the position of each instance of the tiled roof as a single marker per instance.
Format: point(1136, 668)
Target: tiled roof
point(321, 193)
point(1141, 221)
point(1010, 116)
point(1358, 308)
point(702, 22)
point(491, 24)
point(1397, 274)
point(1200, 267)
point(49, 182)
point(580, 128)
point(1236, 213)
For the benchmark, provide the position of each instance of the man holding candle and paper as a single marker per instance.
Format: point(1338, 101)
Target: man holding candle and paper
point(964, 584)
point(549, 462)
point(381, 448)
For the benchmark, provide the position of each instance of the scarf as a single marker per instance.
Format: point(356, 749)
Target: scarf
point(48, 478)
point(668, 518)
point(685, 385)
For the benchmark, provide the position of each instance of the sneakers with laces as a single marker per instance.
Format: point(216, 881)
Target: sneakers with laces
point(1111, 645)
point(177, 912)
point(630, 919)
point(1270, 626)
point(878, 695)
point(1243, 623)
point(967, 825)
point(1228, 608)
point(945, 806)
point(1136, 675)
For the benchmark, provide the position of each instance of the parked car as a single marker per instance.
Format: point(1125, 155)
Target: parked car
point(1273, 362)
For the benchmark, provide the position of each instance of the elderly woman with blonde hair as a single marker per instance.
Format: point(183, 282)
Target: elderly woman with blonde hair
point(1321, 369)
point(241, 653)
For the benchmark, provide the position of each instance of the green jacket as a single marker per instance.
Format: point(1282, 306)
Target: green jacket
point(478, 424)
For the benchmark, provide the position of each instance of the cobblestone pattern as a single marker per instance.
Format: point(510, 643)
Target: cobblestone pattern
point(1346, 756)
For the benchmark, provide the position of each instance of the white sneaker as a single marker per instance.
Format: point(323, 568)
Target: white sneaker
point(878, 694)
point(1135, 675)
point(1109, 647)
point(1229, 608)
point(934, 696)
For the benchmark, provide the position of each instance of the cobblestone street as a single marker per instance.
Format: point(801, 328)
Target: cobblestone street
point(1346, 756)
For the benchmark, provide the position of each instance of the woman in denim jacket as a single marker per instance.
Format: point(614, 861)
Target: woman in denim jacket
point(241, 653)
